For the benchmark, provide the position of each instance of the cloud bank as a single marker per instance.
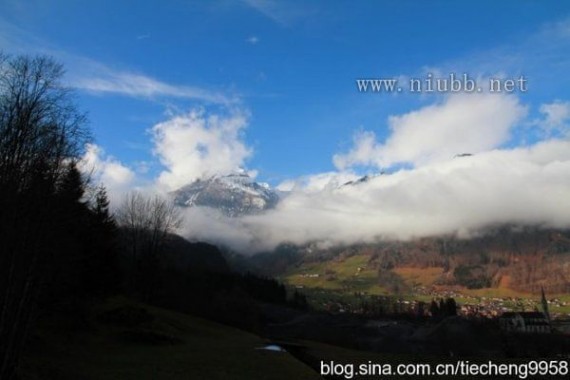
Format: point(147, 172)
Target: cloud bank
point(461, 196)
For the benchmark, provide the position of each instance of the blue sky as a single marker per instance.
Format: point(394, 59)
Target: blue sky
point(288, 68)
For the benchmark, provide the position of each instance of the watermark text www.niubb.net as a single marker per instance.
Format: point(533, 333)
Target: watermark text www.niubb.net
point(453, 83)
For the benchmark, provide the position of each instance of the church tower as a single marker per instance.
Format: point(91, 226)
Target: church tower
point(545, 307)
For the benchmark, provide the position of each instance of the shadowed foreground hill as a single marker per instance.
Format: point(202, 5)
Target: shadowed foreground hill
point(127, 340)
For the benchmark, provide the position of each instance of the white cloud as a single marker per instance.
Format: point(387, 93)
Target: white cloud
point(252, 40)
point(318, 182)
point(463, 123)
point(194, 145)
point(556, 117)
point(136, 85)
point(101, 168)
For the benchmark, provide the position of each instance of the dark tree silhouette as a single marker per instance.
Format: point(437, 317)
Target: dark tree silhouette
point(434, 309)
point(450, 307)
point(102, 275)
point(41, 130)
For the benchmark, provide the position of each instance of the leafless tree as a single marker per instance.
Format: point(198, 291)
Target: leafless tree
point(40, 130)
point(146, 224)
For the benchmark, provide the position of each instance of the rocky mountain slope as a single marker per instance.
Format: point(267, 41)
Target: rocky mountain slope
point(234, 194)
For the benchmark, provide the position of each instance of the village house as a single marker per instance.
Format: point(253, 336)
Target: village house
point(525, 322)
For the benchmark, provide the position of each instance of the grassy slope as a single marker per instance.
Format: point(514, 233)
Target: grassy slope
point(207, 351)
point(347, 276)
point(419, 276)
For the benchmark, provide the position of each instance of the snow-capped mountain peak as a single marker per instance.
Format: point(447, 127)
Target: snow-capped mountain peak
point(234, 194)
